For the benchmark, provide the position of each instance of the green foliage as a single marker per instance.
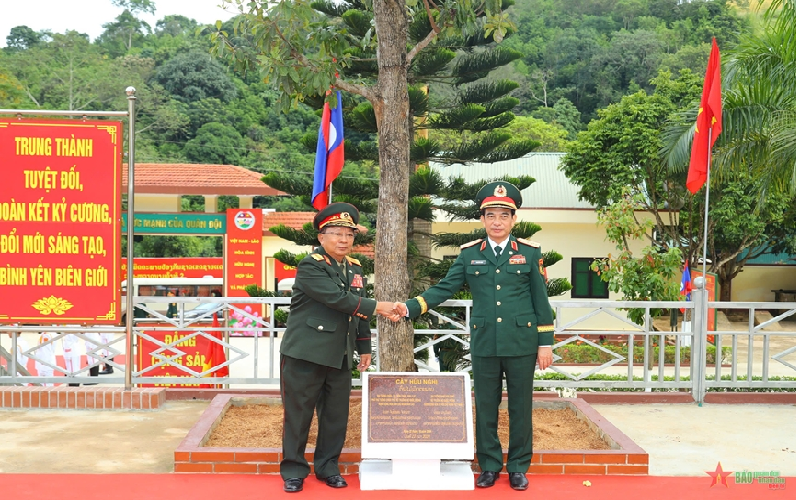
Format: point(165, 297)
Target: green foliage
point(594, 52)
point(215, 143)
point(176, 246)
point(21, 38)
point(258, 291)
point(646, 277)
point(666, 378)
point(194, 76)
point(588, 354)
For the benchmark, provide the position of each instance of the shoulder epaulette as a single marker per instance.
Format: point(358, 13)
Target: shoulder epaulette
point(316, 256)
point(472, 243)
point(354, 261)
point(529, 243)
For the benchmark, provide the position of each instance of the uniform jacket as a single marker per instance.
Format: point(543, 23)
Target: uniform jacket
point(329, 313)
point(511, 314)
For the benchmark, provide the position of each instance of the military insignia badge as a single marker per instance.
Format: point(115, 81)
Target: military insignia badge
point(517, 259)
point(357, 281)
point(542, 269)
point(477, 262)
point(500, 191)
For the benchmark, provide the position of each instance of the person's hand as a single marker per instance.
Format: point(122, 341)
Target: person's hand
point(364, 362)
point(401, 309)
point(544, 357)
point(388, 310)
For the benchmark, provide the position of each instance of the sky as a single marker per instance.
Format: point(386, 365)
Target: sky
point(88, 16)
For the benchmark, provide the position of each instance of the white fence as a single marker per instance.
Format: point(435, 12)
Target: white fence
point(252, 352)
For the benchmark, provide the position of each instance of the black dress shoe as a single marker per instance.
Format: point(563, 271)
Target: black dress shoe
point(294, 484)
point(336, 481)
point(518, 481)
point(487, 479)
point(107, 371)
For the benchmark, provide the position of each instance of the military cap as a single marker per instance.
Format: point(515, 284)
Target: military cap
point(337, 214)
point(499, 194)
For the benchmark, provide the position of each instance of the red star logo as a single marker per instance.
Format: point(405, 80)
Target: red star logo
point(719, 476)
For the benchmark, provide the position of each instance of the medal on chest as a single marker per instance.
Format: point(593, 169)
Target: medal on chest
point(357, 281)
point(517, 259)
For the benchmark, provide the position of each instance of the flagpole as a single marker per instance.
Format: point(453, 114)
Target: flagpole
point(707, 199)
point(330, 194)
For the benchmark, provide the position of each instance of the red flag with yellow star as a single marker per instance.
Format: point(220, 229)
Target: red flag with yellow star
point(709, 117)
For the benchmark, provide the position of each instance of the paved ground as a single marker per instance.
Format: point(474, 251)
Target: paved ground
point(92, 441)
point(682, 440)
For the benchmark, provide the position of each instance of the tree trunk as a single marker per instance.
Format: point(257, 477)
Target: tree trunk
point(391, 105)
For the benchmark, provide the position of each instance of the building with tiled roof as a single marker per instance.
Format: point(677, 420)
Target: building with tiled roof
point(296, 220)
point(159, 186)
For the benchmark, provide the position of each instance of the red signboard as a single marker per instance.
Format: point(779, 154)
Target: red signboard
point(191, 352)
point(244, 252)
point(283, 271)
point(60, 204)
point(175, 267)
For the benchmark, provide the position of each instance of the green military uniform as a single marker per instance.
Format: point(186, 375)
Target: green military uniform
point(329, 319)
point(510, 319)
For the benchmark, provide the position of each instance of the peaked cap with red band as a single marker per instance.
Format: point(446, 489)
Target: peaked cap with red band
point(499, 194)
point(337, 214)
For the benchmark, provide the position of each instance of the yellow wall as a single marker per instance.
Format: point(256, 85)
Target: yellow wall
point(157, 203)
point(754, 283)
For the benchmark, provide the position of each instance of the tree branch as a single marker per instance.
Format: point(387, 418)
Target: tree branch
point(363, 90)
point(435, 30)
point(27, 91)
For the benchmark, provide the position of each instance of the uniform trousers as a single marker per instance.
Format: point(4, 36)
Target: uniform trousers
point(307, 387)
point(488, 374)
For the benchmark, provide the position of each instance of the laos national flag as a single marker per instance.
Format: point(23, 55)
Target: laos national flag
point(329, 154)
point(685, 284)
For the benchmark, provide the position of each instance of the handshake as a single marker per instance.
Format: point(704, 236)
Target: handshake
point(394, 311)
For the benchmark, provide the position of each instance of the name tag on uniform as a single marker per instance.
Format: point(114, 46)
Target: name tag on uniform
point(357, 281)
point(517, 259)
point(477, 262)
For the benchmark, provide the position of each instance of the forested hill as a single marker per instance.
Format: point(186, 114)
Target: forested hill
point(192, 108)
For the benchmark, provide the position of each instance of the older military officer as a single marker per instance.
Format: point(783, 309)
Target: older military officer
point(329, 319)
point(511, 328)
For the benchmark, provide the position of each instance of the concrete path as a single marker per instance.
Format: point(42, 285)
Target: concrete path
point(687, 440)
point(681, 439)
point(93, 441)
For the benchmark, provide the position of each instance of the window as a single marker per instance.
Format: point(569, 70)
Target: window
point(585, 282)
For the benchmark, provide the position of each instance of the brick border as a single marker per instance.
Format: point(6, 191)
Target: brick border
point(81, 398)
point(624, 458)
point(632, 398)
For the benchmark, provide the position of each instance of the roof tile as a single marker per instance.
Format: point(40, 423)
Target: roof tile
point(296, 220)
point(197, 179)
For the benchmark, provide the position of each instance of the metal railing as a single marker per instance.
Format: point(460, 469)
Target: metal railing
point(250, 340)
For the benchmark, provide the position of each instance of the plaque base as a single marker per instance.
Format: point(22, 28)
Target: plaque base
point(411, 474)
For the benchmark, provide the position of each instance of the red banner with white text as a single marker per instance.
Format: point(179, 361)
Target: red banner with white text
point(244, 252)
point(175, 267)
point(60, 221)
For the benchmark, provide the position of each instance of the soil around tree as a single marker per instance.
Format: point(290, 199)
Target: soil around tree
point(260, 426)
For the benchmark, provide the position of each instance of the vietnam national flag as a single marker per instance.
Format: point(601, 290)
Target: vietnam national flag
point(215, 355)
point(329, 156)
point(709, 117)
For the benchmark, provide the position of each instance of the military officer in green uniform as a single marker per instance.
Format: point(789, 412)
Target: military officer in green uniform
point(329, 319)
point(511, 328)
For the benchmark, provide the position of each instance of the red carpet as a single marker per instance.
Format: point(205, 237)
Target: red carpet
point(244, 487)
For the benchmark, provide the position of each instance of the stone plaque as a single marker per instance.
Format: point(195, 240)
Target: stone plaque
point(416, 409)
